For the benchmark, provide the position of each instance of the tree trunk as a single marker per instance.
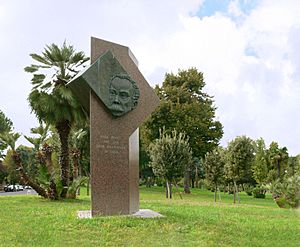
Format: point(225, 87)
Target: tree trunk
point(47, 151)
point(216, 193)
point(63, 129)
point(196, 177)
point(79, 173)
point(88, 187)
point(178, 190)
point(187, 182)
point(236, 192)
point(278, 169)
point(167, 189)
point(193, 183)
point(75, 159)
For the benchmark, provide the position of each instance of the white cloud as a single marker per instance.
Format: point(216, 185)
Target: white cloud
point(256, 93)
point(251, 61)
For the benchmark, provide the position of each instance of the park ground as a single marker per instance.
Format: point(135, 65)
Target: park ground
point(195, 220)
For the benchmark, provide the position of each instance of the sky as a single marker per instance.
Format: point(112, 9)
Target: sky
point(247, 50)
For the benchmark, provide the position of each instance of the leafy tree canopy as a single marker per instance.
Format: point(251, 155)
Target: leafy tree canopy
point(278, 158)
point(185, 107)
point(169, 155)
point(5, 123)
point(260, 166)
point(50, 98)
point(240, 156)
point(214, 166)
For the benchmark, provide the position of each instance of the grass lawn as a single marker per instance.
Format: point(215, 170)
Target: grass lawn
point(194, 220)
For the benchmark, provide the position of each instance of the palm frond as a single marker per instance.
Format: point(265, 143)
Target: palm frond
point(43, 177)
point(47, 85)
point(10, 139)
point(32, 68)
point(40, 59)
point(49, 99)
point(75, 185)
point(37, 79)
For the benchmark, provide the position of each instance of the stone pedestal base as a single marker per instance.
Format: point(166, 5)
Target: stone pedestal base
point(142, 213)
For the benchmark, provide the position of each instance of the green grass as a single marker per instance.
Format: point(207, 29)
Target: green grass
point(194, 220)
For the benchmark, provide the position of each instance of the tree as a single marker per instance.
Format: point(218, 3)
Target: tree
point(198, 172)
point(5, 126)
point(240, 156)
point(293, 165)
point(278, 159)
point(185, 107)
point(260, 166)
point(50, 98)
point(12, 175)
point(297, 168)
point(214, 168)
point(5, 123)
point(80, 157)
point(3, 172)
point(169, 155)
point(10, 139)
point(42, 132)
point(146, 173)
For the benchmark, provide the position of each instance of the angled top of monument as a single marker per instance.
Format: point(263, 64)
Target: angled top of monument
point(109, 81)
point(114, 73)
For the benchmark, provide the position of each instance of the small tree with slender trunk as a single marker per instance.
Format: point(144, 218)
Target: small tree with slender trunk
point(170, 155)
point(260, 165)
point(239, 160)
point(214, 168)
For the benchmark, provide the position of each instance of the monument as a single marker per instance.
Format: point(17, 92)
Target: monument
point(118, 99)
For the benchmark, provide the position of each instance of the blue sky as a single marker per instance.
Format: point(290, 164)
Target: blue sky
point(211, 7)
point(247, 50)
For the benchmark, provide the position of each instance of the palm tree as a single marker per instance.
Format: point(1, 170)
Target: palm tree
point(278, 156)
point(50, 98)
point(10, 139)
point(42, 131)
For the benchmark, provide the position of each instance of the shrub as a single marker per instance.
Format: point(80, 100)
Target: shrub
point(287, 193)
point(259, 192)
point(282, 203)
point(249, 190)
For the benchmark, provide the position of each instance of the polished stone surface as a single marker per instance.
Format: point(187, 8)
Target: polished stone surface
point(114, 141)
